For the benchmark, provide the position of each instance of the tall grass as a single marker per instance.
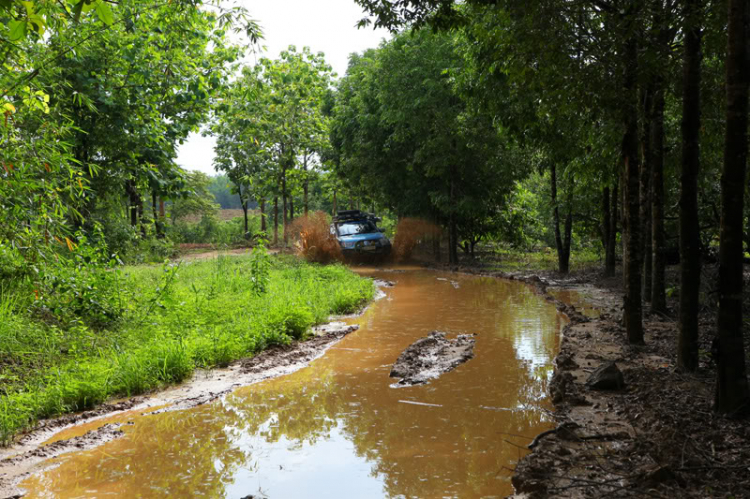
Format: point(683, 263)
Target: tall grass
point(177, 318)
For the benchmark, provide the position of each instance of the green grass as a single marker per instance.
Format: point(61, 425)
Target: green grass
point(174, 319)
point(509, 260)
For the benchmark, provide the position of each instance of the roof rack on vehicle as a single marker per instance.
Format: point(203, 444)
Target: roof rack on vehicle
point(354, 215)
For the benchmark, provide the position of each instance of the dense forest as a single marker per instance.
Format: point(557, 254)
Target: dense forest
point(612, 127)
point(635, 112)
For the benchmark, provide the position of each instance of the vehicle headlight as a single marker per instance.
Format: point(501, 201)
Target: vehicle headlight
point(348, 244)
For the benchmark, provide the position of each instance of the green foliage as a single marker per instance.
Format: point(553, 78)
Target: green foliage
point(509, 259)
point(271, 122)
point(95, 98)
point(211, 230)
point(84, 289)
point(174, 319)
point(405, 133)
point(199, 201)
point(225, 193)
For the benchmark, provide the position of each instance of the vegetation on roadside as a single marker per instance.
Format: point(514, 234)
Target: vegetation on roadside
point(98, 332)
point(507, 259)
point(598, 126)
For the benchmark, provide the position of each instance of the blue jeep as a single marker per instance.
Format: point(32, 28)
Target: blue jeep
point(358, 234)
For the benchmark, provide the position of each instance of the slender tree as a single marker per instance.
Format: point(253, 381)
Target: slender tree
point(690, 265)
point(732, 393)
point(632, 261)
point(658, 287)
point(646, 173)
point(661, 35)
point(611, 222)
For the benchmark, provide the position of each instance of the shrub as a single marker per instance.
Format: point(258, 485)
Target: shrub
point(84, 287)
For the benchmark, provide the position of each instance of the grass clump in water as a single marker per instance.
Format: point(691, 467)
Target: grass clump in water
point(175, 318)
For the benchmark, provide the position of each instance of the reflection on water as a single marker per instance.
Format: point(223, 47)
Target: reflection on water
point(578, 299)
point(337, 429)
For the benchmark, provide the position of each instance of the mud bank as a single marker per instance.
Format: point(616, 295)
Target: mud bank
point(656, 436)
point(86, 430)
point(431, 357)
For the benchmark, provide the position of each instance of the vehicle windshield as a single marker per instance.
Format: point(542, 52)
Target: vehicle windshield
point(352, 228)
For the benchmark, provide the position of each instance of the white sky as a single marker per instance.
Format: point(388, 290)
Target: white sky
point(327, 26)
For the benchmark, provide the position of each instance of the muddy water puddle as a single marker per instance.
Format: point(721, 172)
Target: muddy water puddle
point(337, 428)
point(579, 299)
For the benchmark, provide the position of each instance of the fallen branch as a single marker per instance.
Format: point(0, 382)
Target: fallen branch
point(539, 437)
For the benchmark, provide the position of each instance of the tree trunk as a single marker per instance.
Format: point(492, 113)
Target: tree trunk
point(284, 199)
point(276, 220)
point(568, 235)
point(243, 204)
point(563, 256)
point(658, 287)
point(155, 214)
point(141, 225)
point(646, 165)
point(605, 220)
point(306, 183)
point(632, 260)
point(609, 263)
point(452, 228)
point(291, 209)
point(453, 241)
point(263, 214)
point(436, 240)
point(687, 343)
point(732, 393)
point(562, 262)
point(133, 201)
point(335, 206)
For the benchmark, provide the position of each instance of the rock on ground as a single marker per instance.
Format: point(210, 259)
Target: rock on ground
point(606, 377)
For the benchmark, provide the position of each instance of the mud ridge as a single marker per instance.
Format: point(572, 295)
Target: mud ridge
point(430, 357)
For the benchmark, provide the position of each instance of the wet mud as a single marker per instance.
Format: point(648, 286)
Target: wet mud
point(430, 357)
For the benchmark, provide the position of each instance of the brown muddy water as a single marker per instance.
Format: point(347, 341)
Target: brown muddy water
point(337, 429)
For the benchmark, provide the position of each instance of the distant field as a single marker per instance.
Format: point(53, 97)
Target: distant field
point(222, 214)
point(230, 214)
